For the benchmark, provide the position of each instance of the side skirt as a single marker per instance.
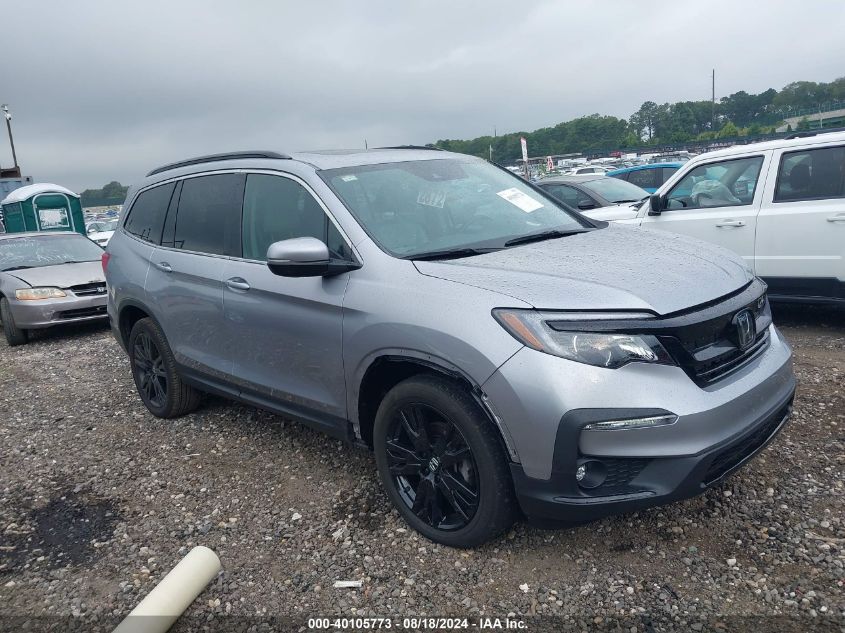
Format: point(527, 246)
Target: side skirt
point(336, 427)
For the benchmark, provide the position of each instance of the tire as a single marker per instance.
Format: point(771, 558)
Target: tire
point(458, 491)
point(154, 370)
point(14, 335)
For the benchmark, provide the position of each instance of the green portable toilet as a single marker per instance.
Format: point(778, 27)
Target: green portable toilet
point(42, 207)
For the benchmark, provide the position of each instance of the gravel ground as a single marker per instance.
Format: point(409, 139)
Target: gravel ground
point(98, 500)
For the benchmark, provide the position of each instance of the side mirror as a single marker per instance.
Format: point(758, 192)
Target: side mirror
point(656, 204)
point(305, 257)
point(91, 230)
point(586, 205)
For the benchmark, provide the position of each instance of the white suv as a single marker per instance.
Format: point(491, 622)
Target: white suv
point(779, 204)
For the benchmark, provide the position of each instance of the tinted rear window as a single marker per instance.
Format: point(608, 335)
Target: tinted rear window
point(146, 218)
point(209, 215)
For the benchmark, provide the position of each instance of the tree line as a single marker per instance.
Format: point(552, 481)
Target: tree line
point(111, 194)
point(739, 114)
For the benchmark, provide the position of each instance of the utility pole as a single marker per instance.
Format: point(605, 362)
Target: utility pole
point(8, 116)
point(713, 103)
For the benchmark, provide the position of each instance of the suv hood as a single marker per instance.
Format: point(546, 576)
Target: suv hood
point(614, 268)
point(61, 275)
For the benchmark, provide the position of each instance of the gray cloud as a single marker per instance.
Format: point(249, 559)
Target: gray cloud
point(105, 90)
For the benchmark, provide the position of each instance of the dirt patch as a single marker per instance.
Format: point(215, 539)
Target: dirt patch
point(67, 530)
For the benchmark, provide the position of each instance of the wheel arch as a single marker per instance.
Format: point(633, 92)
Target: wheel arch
point(386, 370)
point(128, 314)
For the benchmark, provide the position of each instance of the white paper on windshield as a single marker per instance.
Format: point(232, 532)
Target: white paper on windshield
point(349, 178)
point(434, 199)
point(521, 200)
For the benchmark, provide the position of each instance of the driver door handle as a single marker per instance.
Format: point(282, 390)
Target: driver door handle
point(730, 223)
point(164, 267)
point(237, 283)
point(839, 217)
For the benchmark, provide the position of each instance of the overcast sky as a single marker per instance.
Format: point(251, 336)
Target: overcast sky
point(105, 90)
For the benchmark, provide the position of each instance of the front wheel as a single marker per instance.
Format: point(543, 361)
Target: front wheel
point(442, 464)
point(14, 334)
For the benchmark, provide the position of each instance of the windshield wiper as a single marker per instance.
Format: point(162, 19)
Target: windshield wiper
point(545, 235)
point(77, 261)
point(453, 253)
point(16, 268)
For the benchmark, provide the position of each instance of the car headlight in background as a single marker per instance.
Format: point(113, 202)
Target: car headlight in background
point(34, 294)
point(609, 350)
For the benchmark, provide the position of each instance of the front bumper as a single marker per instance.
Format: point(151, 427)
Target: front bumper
point(634, 484)
point(544, 402)
point(32, 315)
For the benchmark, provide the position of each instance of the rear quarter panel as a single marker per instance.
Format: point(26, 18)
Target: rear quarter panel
point(126, 274)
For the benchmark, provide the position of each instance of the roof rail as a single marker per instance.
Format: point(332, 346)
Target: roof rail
point(212, 158)
point(411, 147)
point(816, 132)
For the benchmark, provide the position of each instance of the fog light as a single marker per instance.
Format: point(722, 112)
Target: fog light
point(633, 423)
point(580, 473)
point(591, 474)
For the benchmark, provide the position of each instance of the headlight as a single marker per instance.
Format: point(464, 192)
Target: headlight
point(34, 294)
point(593, 348)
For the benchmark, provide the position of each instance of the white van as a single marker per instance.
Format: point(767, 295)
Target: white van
point(779, 204)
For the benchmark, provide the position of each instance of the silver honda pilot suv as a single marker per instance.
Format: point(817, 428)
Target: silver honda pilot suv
point(501, 354)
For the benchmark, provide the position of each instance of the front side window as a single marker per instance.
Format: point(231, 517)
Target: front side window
point(614, 190)
point(47, 250)
point(811, 175)
point(146, 217)
point(416, 208)
point(208, 217)
point(278, 208)
point(724, 184)
point(642, 177)
point(570, 195)
point(667, 173)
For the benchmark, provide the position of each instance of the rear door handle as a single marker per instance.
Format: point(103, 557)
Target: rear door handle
point(730, 223)
point(839, 217)
point(236, 283)
point(164, 267)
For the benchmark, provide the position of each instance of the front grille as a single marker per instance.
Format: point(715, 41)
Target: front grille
point(738, 452)
point(620, 472)
point(87, 290)
point(704, 340)
point(707, 348)
point(82, 312)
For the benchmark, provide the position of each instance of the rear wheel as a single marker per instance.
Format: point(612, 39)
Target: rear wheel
point(442, 464)
point(154, 370)
point(14, 334)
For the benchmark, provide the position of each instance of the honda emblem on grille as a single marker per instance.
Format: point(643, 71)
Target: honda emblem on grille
point(745, 328)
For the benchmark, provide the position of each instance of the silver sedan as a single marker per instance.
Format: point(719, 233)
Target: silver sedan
point(48, 279)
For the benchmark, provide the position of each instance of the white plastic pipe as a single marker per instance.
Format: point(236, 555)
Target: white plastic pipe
point(174, 594)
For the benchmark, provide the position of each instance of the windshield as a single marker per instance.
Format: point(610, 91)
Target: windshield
point(615, 190)
point(418, 207)
point(46, 250)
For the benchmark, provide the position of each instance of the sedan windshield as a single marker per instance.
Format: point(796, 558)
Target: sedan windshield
point(46, 250)
point(615, 190)
point(435, 207)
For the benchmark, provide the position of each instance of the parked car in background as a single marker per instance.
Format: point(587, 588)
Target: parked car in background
point(778, 204)
point(588, 169)
point(47, 279)
point(650, 177)
point(100, 231)
point(592, 192)
point(495, 350)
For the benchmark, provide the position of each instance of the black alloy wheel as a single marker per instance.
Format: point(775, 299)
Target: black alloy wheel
point(149, 368)
point(156, 374)
point(442, 462)
point(433, 467)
